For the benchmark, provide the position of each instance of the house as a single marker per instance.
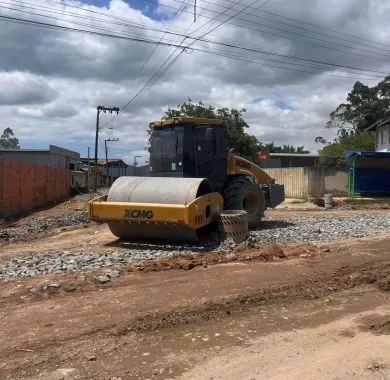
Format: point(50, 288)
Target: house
point(113, 168)
point(288, 160)
point(382, 130)
point(54, 157)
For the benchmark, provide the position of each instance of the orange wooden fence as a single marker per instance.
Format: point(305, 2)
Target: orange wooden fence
point(24, 186)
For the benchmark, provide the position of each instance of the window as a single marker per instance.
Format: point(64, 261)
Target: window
point(382, 136)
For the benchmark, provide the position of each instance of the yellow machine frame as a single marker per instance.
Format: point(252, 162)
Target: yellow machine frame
point(199, 213)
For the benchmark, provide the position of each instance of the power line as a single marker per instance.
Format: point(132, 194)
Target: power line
point(184, 47)
point(282, 36)
point(151, 53)
point(360, 38)
point(376, 54)
point(167, 63)
point(226, 45)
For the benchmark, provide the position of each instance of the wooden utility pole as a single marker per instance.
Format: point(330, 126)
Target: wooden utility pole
point(100, 109)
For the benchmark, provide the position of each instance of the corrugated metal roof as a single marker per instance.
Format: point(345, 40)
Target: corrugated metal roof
point(386, 120)
point(353, 153)
point(293, 154)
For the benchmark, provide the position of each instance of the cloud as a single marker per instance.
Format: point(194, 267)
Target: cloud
point(52, 81)
point(24, 88)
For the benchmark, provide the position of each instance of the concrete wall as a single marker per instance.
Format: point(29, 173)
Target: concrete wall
point(24, 186)
point(308, 182)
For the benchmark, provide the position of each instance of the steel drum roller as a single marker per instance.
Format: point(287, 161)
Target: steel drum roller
point(164, 190)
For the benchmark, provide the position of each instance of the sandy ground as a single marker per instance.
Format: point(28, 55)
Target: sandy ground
point(320, 312)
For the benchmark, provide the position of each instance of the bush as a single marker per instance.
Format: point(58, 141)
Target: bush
point(318, 201)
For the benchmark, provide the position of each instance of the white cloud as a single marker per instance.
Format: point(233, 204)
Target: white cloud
point(51, 81)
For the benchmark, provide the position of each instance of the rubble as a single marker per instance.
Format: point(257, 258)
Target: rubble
point(36, 227)
point(289, 230)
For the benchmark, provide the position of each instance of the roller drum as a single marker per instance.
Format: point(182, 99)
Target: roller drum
point(162, 190)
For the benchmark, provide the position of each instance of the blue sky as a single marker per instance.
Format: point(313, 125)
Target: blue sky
point(147, 8)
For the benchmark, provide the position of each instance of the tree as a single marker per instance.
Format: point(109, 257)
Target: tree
point(8, 140)
point(272, 148)
point(365, 105)
point(332, 153)
point(243, 143)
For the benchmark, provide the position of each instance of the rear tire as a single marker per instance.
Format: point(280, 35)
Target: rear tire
point(243, 194)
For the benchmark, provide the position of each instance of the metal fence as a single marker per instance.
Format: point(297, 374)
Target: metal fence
point(311, 181)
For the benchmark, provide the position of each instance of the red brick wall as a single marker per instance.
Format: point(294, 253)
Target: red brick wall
point(24, 186)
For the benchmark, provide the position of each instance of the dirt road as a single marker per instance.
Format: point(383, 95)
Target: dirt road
point(320, 314)
point(282, 310)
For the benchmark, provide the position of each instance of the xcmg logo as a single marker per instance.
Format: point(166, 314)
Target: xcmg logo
point(243, 164)
point(138, 214)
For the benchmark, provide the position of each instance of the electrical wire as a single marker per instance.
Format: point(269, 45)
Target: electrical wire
point(285, 37)
point(184, 47)
point(374, 55)
point(201, 39)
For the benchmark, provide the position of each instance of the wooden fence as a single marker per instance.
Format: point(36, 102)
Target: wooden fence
point(24, 186)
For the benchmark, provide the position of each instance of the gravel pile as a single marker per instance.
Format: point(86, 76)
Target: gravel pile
point(63, 261)
point(289, 230)
point(321, 229)
point(37, 226)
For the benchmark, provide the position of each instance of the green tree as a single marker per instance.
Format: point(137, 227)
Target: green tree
point(8, 140)
point(332, 153)
point(365, 105)
point(272, 148)
point(243, 143)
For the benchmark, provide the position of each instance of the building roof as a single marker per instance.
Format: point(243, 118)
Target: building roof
point(379, 123)
point(185, 120)
point(51, 149)
point(275, 155)
point(102, 162)
point(353, 153)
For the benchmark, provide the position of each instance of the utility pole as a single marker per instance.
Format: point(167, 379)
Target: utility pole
point(107, 166)
point(98, 110)
point(135, 163)
point(194, 10)
point(89, 168)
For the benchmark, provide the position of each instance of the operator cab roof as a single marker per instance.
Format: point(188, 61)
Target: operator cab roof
point(185, 120)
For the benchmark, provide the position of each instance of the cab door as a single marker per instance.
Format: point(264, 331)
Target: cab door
point(205, 150)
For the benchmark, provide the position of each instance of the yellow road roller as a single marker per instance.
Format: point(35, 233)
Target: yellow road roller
point(193, 177)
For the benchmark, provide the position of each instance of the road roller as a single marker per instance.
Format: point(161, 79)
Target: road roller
point(193, 177)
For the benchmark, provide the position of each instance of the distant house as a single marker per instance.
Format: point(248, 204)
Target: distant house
point(288, 160)
point(114, 168)
point(54, 157)
point(382, 130)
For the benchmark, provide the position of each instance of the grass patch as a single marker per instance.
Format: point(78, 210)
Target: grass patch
point(318, 201)
point(298, 201)
point(371, 201)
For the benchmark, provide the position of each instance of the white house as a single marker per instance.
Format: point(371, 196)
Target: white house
point(382, 129)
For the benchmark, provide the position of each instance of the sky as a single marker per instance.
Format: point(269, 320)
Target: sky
point(265, 57)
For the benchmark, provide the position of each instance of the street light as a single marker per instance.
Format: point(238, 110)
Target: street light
point(135, 163)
